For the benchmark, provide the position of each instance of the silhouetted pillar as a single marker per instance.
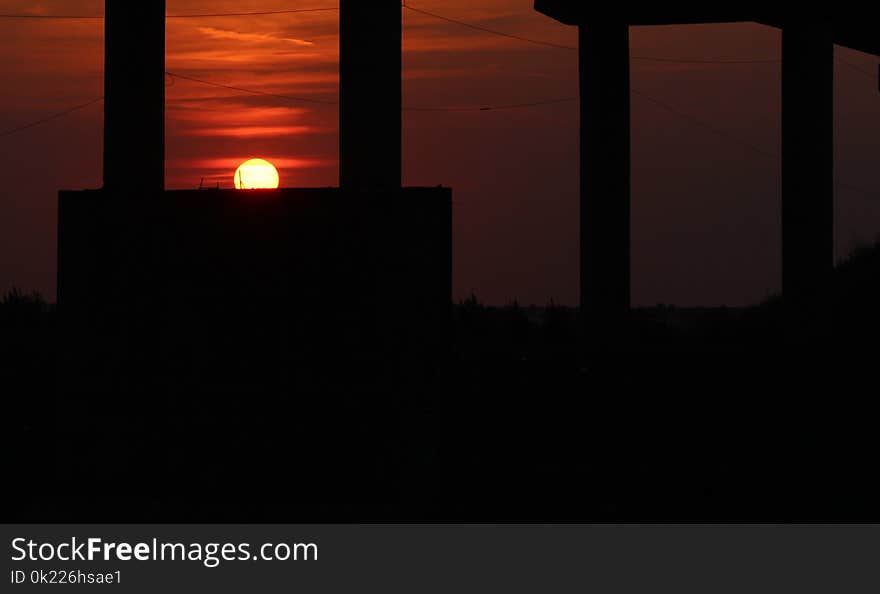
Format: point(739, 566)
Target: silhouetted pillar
point(369, 94)
point(605, 178)
point(807, 157)
point(134, 94)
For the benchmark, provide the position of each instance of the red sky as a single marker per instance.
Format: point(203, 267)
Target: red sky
point(705, 205)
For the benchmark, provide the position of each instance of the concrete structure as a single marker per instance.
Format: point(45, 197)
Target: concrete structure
point(134, 95)
point(248, 283)
point(807, 128)
point(369, 94)
point(174, 283)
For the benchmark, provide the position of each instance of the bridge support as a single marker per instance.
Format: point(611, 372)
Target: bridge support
point(605, 180)
point(369, 94)
point(807, 158)
point(134, 96)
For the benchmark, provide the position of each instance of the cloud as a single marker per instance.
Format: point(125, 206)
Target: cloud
point(230, 163)
point(255, 131)
point(215, 33)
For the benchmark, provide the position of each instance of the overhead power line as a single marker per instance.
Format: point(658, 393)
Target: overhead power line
point(174, 75)
point(703, 124)
point(708, 61)
point(259, 13)
point(857, 68)
point(66, 17)
point(171, 16)
point(660, 103)
point(49, 118)
point(693, 120)
point(574, 48)
point(488, 30)
point(868, 193)
point(447, 109)
point(490, 107)
point(251, 91)
point(447, 19)
point(498, 107)
point(476, 27)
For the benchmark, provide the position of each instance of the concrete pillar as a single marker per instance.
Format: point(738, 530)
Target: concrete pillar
point(605, 179)
point(807, 157)
point(134, 95)
point(369, 94)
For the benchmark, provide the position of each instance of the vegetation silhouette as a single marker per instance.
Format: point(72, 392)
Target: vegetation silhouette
point(714, 414)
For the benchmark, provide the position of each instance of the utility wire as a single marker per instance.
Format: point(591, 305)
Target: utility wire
point(658, 102)
point(171, 16)
point(434, 15)
point(574, 48)
point(447, 19)
point(487, 30)
point(261, 13)
point(50, 16)
point(493, 107)
point(49, 118)
point(699, 122)
point(446, 109)
point(419, 11)
point(666, 106)
point(405, 108)
point(744, 143)
point(251, 91)
point(173, 76)
point(708, 61)
point(670, 60)
point(856, 67)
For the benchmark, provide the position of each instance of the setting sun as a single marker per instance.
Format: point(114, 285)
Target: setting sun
point(256, 174)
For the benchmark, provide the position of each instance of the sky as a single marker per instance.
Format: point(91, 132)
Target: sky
point(705, 139)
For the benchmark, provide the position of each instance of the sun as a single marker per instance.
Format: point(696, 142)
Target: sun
point(256, 174)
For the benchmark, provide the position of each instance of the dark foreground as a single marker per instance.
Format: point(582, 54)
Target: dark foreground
point(703, 415)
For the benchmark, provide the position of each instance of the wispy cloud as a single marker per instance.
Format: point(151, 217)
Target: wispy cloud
point(224, 110)
point(230, 163)
point(215, 33)
point(255, 131)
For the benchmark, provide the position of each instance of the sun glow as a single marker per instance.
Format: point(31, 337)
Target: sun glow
point(256, 174)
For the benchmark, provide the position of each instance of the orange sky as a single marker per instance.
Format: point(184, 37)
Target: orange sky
point(705, 206)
